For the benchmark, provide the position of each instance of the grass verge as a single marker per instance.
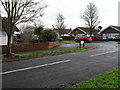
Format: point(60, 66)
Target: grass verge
point(44, 53)
point(98, 41)
point(65, 42)
point(107, 80)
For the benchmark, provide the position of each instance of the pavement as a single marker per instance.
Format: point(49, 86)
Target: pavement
point(61, 70)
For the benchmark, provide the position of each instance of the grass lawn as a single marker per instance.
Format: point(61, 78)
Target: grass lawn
point(98, 41)
point(65, 42)
point(107, 80)
point(44, 53)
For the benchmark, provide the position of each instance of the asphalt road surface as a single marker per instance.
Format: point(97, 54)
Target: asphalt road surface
point(61, 70)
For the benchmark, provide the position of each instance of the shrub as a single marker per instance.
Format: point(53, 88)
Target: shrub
point(38, 31)
point(49, 35)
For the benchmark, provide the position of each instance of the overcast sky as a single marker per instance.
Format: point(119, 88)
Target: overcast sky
point(73, 9)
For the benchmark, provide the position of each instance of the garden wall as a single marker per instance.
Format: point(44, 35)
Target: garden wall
point(30, 47)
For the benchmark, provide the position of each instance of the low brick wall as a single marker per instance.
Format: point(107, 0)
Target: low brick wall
point(30, 47)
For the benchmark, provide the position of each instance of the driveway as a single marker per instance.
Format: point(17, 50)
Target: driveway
point(61, 70)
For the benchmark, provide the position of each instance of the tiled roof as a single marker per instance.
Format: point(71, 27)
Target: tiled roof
point(111, 26)
point(116, 27)
point(87, 30)
point(5, 25)
point(64, 31)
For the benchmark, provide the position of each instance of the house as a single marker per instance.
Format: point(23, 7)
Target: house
point(3, 29)
point(111, 32)
point(79, 31)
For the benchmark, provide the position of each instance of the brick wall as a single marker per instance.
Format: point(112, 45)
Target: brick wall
point(30, 47)
point(53, 44)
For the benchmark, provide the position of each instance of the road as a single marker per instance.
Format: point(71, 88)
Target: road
point(61, 70)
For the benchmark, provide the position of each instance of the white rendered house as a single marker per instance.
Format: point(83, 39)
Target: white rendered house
point(3, 34)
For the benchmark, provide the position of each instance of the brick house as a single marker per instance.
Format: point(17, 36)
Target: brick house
point(111, 32)
point(79, 31)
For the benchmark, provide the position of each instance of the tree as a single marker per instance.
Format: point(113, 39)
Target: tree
point(38, 31)
point(26, 36)
point(60, 23)
point(20, 11)
point(90, 16)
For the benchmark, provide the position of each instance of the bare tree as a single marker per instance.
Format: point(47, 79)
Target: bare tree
point(26, 36)
point(27, 33)
point(60, 23)
point(90, 16)
point(20, 11)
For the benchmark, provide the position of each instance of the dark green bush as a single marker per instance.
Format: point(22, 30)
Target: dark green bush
point(49, 35)
point(38, 31)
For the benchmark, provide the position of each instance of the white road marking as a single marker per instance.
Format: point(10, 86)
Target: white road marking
point(39, 66)
point(103, 53)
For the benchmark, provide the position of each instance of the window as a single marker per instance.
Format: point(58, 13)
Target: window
point(79, 35)
point(111, 35)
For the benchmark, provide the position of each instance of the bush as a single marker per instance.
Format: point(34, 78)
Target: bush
point(49, 35)
point(38, 31)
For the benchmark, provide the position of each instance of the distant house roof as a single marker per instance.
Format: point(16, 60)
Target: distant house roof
point(117, 28)
point(5, 25)
point(29, 28)
point(86, 30)
point(64, 31)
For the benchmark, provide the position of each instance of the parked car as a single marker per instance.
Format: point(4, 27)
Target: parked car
point(83, 38)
